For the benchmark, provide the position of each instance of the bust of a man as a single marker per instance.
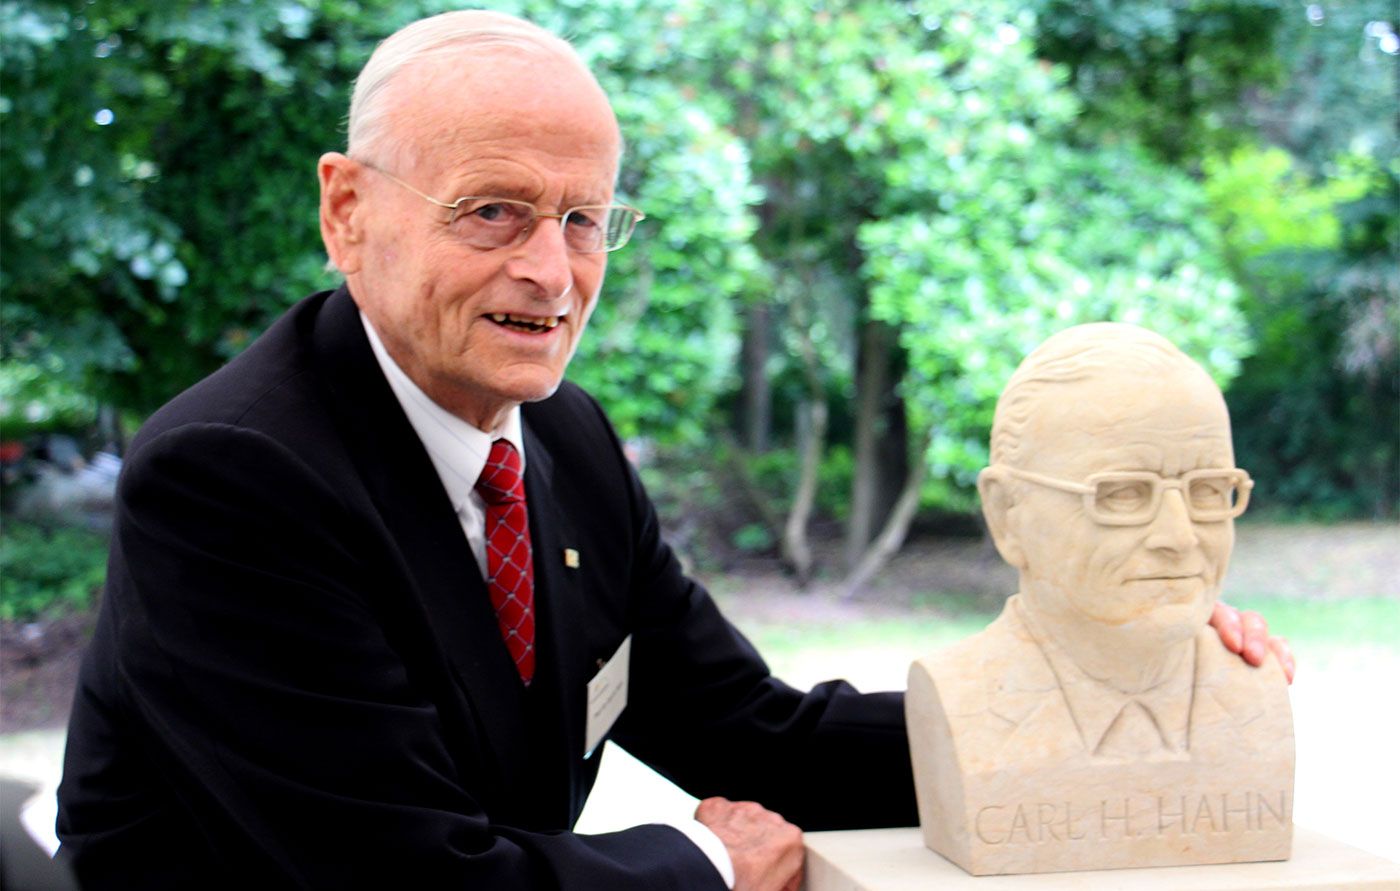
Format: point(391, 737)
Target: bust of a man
point(1098, 722)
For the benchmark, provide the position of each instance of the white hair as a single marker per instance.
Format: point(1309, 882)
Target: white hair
point(370, 136)
point(1075, 354)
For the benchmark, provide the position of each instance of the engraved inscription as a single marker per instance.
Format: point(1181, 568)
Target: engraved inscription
point(1044, 822)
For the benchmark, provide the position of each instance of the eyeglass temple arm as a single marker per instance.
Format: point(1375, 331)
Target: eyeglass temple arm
point(1062, 485)
point(424, 196)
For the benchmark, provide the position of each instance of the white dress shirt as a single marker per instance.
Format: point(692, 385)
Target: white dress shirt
point(458, 451)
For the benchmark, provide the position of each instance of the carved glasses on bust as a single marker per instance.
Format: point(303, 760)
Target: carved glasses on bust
point(490, 223)
point(1133, 497)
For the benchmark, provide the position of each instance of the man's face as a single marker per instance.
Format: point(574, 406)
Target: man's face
point(1157, 581)
point(481, 331)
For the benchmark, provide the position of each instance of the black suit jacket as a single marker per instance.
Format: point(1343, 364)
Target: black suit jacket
point(297, 679)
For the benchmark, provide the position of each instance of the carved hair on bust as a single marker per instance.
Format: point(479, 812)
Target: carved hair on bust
point(1076, 354)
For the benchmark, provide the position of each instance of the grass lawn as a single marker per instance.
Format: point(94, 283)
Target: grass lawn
point(874, 651)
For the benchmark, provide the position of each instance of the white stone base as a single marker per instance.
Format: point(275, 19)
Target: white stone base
point(896, 860)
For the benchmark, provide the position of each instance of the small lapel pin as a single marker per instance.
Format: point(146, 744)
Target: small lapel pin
point(571, 558)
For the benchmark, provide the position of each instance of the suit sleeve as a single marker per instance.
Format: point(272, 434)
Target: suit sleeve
point(705, 711)
point(247, 655)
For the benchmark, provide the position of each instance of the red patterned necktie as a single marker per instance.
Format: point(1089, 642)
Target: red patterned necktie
point(510, 573)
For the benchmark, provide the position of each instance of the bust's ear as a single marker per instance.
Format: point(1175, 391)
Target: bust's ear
point(995, 490)
point(342, 213)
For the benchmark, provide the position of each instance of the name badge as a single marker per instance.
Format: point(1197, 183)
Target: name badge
point(607, 696)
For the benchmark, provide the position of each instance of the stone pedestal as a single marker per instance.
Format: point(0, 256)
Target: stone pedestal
point(897, 860)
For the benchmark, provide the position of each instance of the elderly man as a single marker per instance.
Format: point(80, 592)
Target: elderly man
point(1113, 490)
point(347, 643)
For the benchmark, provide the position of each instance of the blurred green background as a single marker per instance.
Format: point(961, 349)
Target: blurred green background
point(860, 216)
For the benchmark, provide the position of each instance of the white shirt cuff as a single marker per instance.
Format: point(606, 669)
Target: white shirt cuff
point(710, 845)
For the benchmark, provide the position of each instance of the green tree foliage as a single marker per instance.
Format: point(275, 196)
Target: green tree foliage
point(1313, 230)
point(167, 207)
point(159, 188)
point(1341, 87)
point(662, 341)
point(1085, 236)
point(665, 330)
point(970, 176)
point(1318, 406)
point(46, 572)
point(38, 398)
point(919, 165)
point(1288, 113)
point(1168, 74)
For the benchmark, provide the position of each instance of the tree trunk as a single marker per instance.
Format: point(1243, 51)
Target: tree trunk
point(811, 438)
point(109, 431)
point(891, 537)
point(880, 457)
point(758, 411)
point(811, 431)
point(747, 485)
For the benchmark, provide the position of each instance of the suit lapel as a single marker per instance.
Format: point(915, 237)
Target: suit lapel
point(1227, 696)
point(558, 690)
point(1024, 691)
point(416, 513)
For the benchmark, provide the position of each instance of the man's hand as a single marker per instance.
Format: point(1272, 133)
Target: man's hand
point(766, 849)
point(1247, 633)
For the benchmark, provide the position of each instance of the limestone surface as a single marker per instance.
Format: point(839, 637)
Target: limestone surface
point(1099, 722)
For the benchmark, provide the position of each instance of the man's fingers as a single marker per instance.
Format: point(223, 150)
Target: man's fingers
point(1256, 637)
point(1284, 653)
point(1245, 632)
point(712, 810)
point(1226, 620)
point(766, 850)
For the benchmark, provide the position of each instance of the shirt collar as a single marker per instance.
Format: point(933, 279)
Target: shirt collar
point(458, 450)
point(1095, 705)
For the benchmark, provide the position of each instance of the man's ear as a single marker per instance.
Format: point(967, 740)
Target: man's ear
point(992, 485)
point(342, 217)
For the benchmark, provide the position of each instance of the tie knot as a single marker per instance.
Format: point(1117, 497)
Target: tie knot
point(500, 481)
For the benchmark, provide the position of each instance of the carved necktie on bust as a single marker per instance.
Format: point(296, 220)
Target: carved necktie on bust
point(1133, 734)
point(510, 572)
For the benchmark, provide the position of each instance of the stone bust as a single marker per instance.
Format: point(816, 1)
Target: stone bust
point(1098, 722)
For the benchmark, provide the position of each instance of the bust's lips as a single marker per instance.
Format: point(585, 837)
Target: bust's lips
point(1149, 573)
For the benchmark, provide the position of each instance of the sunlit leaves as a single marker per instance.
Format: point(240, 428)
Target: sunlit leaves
point(920, 161)
point(1084, 236)
point(664, 336)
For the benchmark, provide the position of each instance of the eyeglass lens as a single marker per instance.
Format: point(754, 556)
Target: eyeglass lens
point(498, 223)
point(1209, 497)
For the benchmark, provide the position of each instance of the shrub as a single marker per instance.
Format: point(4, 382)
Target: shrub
point(48, 572)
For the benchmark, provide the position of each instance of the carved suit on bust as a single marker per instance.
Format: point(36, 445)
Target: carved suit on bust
point(1098, 722)
point(1030, 694)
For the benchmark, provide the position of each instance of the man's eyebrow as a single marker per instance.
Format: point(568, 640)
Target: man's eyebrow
point(487, 186)
point(491, 188)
